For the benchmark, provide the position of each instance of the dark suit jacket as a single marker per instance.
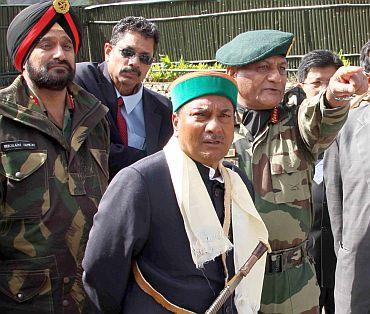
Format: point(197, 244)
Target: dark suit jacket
point(138, 218)
point(321, 237)
point(95, 79)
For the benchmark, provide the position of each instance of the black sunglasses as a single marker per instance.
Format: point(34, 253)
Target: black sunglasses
point(130, 53)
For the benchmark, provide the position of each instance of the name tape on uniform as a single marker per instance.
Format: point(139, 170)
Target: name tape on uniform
point(17, 145)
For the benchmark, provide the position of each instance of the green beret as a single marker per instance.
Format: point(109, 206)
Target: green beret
point(197, 84)
point(254, 46)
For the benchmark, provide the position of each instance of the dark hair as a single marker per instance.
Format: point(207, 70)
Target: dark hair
point(135, 24)
point(319, 59)
point(364, 57)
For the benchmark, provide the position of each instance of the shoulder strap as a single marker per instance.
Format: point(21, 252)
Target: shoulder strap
point(158, 297)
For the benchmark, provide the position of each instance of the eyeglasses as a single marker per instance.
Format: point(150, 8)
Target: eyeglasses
point(131, 53)
point(317, 84)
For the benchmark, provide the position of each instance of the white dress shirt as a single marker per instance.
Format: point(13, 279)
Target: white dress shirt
point(133, 112)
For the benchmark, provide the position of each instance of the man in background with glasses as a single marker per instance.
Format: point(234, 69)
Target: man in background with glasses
point(140, 119)
point(315, 70)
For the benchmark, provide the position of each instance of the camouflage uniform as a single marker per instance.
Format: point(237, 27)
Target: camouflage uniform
point(50, 189)
point(280, 162)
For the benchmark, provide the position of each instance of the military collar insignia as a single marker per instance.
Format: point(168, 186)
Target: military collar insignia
point(61, 6)
point(69, 99)
point(274, 115)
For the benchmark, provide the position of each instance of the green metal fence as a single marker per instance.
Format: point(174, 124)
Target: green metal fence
point(198, 36)
point(194, 30)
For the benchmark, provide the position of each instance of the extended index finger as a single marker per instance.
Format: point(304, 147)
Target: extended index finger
point(345, 72)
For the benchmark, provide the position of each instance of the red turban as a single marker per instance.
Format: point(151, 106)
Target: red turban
point(35, 21)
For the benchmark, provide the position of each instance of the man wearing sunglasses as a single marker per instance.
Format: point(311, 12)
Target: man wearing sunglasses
point(140, 119)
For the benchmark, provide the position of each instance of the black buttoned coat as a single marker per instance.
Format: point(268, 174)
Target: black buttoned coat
point(139, 219)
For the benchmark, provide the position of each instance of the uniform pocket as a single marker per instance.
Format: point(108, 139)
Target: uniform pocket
point(101, 157)
point(289, 176)
point(27, 192)
point(25, 285)
point(96, 184)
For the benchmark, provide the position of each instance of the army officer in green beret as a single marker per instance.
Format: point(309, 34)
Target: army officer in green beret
point(165, 238)
point(276, 142)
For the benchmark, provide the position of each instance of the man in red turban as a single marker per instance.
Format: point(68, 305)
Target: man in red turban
point(53, 167)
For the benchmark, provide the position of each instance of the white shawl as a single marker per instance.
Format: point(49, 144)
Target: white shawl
point(205, 233)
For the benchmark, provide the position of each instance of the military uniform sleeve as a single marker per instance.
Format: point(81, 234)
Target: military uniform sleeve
point(119, 232)
point(2, 192)
point(319, 124)
point(334, 193)
point(2, 185)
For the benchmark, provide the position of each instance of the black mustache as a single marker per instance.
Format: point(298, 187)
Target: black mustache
point(129, 69)
point(55, 62)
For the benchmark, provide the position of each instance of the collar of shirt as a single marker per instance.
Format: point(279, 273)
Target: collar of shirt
point(213, 175)
point(131, 101)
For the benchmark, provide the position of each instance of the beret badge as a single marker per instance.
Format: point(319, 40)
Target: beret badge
point(61, 6)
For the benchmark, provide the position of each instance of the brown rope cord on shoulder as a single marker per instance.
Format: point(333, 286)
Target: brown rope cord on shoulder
point(227, 219)
point(158, 297)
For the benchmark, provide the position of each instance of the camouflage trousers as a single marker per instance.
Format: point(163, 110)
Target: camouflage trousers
point(292, 291)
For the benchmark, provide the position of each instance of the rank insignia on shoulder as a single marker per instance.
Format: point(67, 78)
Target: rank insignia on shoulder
point(17, 145)
point(231, 153)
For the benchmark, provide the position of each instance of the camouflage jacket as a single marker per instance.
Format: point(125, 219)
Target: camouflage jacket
point(49, 192)
point(280, 163)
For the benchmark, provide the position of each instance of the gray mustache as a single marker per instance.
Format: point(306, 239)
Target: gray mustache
point(213, 137)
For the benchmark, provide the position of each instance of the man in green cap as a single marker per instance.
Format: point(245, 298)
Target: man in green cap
point(165, 224)
point(276, 142)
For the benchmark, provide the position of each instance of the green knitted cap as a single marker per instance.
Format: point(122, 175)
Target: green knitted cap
point(197, 84)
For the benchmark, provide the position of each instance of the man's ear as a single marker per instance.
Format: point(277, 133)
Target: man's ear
point(175, 123)
point(231, 71)
point(107, 50)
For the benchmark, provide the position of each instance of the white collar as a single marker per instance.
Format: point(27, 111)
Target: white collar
point(212, 173)
point(131, 101)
